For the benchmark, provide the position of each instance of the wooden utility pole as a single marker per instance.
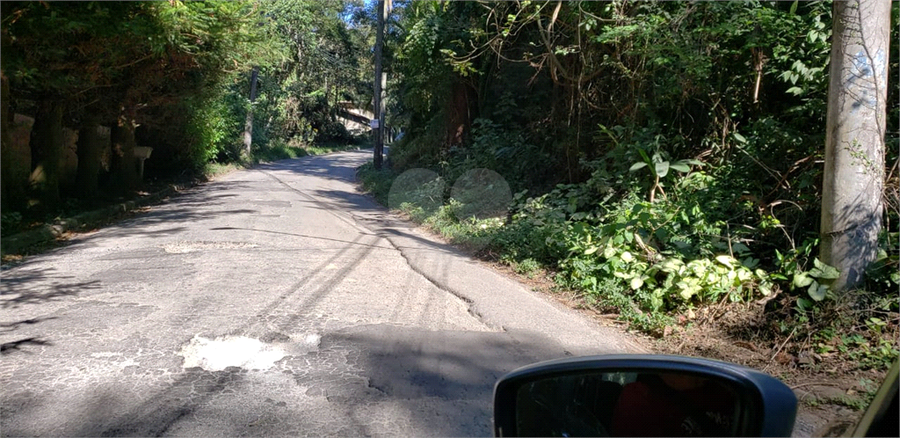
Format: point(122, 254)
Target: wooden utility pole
point(380, 82)
point(248, 123)
point(854, 139)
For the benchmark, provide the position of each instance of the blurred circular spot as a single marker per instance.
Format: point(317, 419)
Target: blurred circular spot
point(482, 194)
point(420, 188)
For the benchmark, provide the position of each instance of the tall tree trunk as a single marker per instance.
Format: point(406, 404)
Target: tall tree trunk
point(855, 135)
point(123, 165)
point(90, 149)
point(248, 124)
point(46, 149)
point(14, 176)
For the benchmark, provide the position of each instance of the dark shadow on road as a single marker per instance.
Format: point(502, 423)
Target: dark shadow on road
point(8, 327)
point(185, 397)
point(182, 215)
point(348, 200)
point(160, 412)
point(16, 346)
point(343, 167)
point(457, 369)
point(193, 205)
point(196, 386)
point(35, 286)
point(428, 245)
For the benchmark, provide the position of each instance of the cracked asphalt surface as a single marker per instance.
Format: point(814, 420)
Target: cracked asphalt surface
point(276, 301)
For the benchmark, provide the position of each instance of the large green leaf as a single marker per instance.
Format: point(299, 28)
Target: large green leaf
point(680, 166)
point(688, 288)
point(644, 155)
point(802, 279)
point(725, 260)
point(817, 291)
point(823, 271)
point(662, 168)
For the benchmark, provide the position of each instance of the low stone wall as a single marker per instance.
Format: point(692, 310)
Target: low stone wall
point(20, 138)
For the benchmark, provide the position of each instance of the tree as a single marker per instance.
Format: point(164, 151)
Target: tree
point(46, 146)
point(14, 174)
point(122, 64)
point(855, 138)
point(299, 96)
point(89, 150)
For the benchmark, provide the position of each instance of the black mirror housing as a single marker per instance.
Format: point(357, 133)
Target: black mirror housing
point(596, 395)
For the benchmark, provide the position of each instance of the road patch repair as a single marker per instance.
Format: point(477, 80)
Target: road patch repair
point(239, 351)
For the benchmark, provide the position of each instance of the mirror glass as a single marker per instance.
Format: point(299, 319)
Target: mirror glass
point(645, 403)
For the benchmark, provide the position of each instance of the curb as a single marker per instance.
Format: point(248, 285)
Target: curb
point(16, 243)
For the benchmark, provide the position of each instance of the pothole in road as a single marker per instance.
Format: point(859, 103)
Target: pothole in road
point(233, 351)
point(240, 351)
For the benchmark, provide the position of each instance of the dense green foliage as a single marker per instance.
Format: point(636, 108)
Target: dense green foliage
point(321, 64)
point(164, 57)
point(146, 70)
point(664, 155)
point(175, 76)
point(309, 63)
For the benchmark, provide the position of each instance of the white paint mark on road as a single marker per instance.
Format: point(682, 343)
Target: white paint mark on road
point(105, 354)
point(184, 247)
point(231, 351)
point(313, 340)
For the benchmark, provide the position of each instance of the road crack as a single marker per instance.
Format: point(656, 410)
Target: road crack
point(469, 303)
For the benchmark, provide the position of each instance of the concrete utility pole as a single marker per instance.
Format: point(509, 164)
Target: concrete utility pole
point(854, 139)
point(248, 124)
point(380, 82)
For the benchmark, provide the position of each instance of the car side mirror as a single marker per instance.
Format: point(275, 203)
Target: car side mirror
point(641, 395)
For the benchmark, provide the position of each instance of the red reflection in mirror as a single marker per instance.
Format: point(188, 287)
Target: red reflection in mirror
point(674, 404)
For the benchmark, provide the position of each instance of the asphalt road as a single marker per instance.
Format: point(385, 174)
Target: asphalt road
point(276, 301)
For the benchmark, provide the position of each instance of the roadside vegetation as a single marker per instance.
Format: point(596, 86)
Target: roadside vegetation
point(665, 164)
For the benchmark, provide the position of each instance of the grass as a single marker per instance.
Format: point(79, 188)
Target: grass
point(448, 220)
point(527, 267)
point(214, 170)
point(376, 182)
